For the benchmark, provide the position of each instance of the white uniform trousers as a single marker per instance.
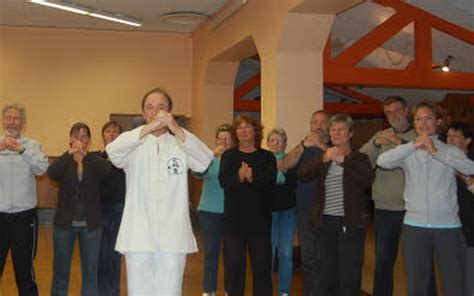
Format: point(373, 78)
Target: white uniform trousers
point(155, 274)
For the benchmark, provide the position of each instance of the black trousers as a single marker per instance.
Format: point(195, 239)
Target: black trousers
point(303, 229)
point(19, 232)
point(235, 256)
point(447, 246)
point(336, 258)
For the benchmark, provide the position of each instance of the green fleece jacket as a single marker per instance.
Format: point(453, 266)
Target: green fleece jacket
point(387, 189)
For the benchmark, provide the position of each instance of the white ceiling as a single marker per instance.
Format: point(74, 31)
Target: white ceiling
point(23, 13)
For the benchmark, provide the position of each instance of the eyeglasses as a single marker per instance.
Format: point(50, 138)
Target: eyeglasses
point(247, 126)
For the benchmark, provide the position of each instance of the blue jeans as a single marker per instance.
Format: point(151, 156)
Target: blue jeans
point(283, 235)
point(89, 244)
point(212, 226)
point(110, 261)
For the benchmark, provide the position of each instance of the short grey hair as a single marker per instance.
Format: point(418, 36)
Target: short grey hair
point(279, 132)
point(343, 118)
point(19, 107)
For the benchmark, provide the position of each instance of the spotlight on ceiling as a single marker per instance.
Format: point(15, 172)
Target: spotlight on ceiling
point(447, 62)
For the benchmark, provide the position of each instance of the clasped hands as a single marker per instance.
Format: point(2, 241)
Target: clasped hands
point(77, 150)
point(335, 154)
point(245, 173)
point(387, 137)
point(161, 120)
point(426, 143)
point(315, 140)
point(11, 143)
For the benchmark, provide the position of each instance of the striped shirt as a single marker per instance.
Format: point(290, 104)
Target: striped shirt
point(334, 204)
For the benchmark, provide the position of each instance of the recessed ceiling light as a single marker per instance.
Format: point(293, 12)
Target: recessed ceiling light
point(184, 18)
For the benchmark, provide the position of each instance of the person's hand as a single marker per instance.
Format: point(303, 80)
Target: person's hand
point(426, 143)
point(385, 138)
point(167, 119)
point(468, 180)
point(3, 145)
point(245, 172)
point(218, 150)
point(315, 140)
point(249, 175)
point(334, 154)
point(391, 136)
point(280, 167)
point(76, 148)
point(329, 154)
point(11, 143)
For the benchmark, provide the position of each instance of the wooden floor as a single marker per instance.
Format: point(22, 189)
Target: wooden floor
point(193, 273)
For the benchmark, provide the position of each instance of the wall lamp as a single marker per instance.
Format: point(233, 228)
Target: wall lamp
point(447, 62)
point(113, 17)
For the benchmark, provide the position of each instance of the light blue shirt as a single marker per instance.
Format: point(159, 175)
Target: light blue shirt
point(280, 178)
point(212, 197)
point(17, 176)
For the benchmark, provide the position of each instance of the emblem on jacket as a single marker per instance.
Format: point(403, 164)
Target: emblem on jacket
point(175, 166)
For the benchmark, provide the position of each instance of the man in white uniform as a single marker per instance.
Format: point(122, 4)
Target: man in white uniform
point(155, 234)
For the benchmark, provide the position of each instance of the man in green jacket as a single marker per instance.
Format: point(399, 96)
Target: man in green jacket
point(387, 192)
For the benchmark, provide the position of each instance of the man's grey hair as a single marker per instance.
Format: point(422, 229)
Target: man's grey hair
point(19, 107)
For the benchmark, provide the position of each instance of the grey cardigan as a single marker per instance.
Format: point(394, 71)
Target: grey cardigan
point(430, 182)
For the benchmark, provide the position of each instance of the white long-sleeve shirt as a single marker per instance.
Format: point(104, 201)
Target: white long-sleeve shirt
point(156, 214)
point(17, 176)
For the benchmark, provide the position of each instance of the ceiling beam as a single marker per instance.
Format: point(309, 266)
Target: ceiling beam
point(343, 70)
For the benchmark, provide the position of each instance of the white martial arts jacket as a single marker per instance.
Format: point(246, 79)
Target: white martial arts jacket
point(156, 213)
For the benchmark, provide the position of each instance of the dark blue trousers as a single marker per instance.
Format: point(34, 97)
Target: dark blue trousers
point(212, 226)
point(110, 261)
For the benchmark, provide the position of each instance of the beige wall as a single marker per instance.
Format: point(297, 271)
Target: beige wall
point(64, 76)
point(275, 30)
point(259, 19)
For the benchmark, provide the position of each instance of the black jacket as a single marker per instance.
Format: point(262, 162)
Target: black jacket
point(357, 180)
point(64, 171)
point(466, 209)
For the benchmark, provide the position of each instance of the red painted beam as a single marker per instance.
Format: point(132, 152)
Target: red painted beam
point(247, 86)
point(372, 40)
point(246, 105)
point(418, 74)
point(399, 78)
point(435, 21)
point(354, 94)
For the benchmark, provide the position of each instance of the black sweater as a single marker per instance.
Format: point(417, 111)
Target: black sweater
point(248, 206)
point(73, 192)
point(284, 195)
point(466, 209)
point(113, 187)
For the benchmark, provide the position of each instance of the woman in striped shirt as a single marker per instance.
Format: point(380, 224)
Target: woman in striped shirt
point(339, 212)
